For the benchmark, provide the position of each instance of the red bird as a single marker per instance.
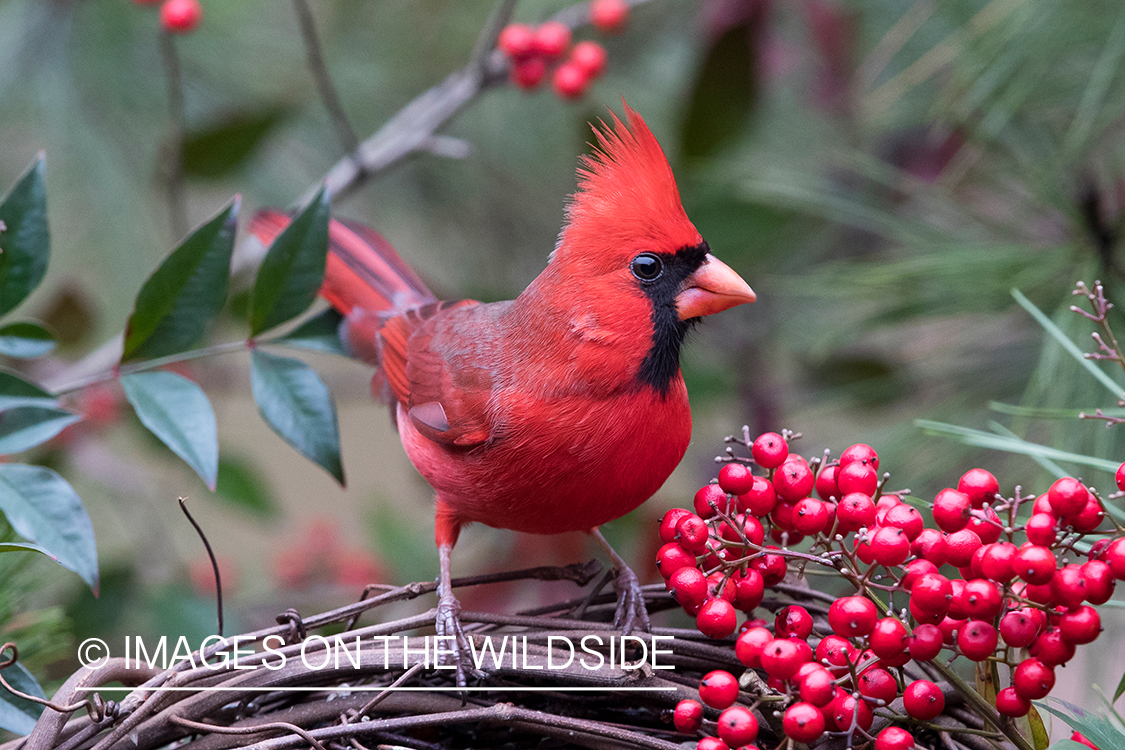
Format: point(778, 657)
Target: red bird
point(565, 408)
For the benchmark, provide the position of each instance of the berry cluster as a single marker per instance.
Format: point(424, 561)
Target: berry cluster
point(532, 50)
point(1015, 599)
point(177, 16)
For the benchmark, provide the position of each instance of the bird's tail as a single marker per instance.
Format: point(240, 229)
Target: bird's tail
point(364, 278)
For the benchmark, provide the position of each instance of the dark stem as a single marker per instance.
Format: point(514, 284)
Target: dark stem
point(214, 562)
point(324, 86)
point(177, 210)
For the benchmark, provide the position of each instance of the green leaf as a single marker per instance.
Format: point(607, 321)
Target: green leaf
point(185, 293)
point(25, 341)
point(178, 412)
point(18, 715)
point(245, 488)
point(219, 148)
point(44, 509)
point(296, 404)
point(1095, 728)
point(1068, 745)
point(1069, 346)
point(980, 439)
point(1050, 466)
point(15, 391)
point(319, 333)
point(24, 427)
point(25, 243)
point(1120, 688)
point(291, 273)
point(21, 547)
point(1040, 738)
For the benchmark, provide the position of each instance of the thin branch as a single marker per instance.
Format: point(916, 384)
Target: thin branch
point(214, 562)
point(349, 140)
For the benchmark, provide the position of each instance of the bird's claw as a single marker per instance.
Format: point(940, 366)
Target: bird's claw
point(631, 611)
point(449, 625)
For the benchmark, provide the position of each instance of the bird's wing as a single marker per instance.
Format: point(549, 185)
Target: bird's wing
point(444, 388)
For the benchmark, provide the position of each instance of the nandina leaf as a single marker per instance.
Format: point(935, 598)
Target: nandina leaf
point(1039, 736)
point(319, 333)
point(296, 404)
point(725, 90)
point(25, 242)
point(178, 412)
point(220, 147)
point(293, 269)
point(19, 715)
point(1097, 730)
point(44, 509)
point(15, 391)
point(25, 340)
point(1120, 689)
point(185, 293)
point(26, 426)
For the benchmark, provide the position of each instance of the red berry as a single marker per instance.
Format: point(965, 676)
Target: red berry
point(906, 518)
point(711, 743)
point(1115, 556)
point(552, 39)
point(803, 722)
point(980, 485)
point(923, 700)
point(760, 500)
point(1041, 529)
point(1068, 587)
point(737, 726)
point(987, 528)
point(609, 15)
point(977, 640)
point(956, 602)
point(749, 589)
point(1067, 497)
point(570, 81)
point(826, 485)
point(180, 16)
point(855, 510)
point(996, 562)
point(736, 479)
point(949, 627)
point(793, 621)
point(857, 477)
point(1011, 703)
point(926, 642)
point(782, 515)
point(770, 450)
point(981, 599)
point(692, 533)
point(671, 557)
point(862, 453)
point(716, 618)
point(894, 738)
point(810, 516)
point(930, 545)
point(1080, 625)
point(688, 716)
point(835, 652)
point(951, 510)
point(932, 593)
point(590, 57)
point(1099, 581)
point(772, 567)
point(1089, 518)
point(689, 587)
point(890, 546)
point(1082, 739)
point(1051, 648)
point(960, 547)
point(1119, 477)
point(668, 523)
point(750, 644)
point(1032, 679)
point(1034, 564)
point(710, 499)
point(718, 689)
point(517, 41)
point(817, 686)
point(888, 638)
point(793, 480)
point(915, 569)
point(852, 616)
point(1019, 628)
point(878, 684)
point(847, 709)
point(781, 658)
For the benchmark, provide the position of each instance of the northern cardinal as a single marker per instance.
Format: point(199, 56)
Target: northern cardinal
point(565, 408)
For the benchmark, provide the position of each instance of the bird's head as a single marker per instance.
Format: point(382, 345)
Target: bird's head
point(628, 239)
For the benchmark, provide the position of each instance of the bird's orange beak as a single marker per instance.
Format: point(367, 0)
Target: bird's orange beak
point(714, 287)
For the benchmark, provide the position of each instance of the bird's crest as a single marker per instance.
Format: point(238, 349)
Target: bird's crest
point(627, 197)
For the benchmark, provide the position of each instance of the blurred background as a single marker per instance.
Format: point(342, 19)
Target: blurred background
point(882, 173)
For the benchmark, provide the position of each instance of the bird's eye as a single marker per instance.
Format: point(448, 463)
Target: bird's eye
point(647, 267)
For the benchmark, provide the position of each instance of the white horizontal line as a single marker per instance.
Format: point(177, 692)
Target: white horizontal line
point(377, 689)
